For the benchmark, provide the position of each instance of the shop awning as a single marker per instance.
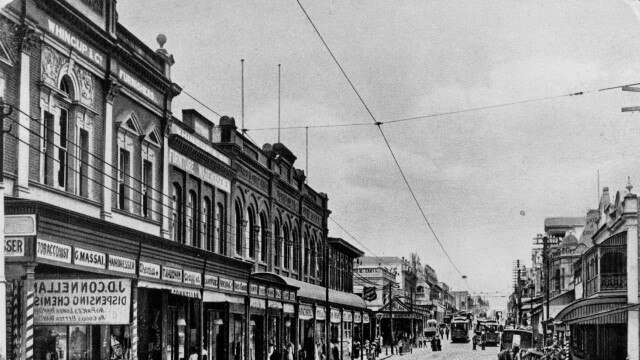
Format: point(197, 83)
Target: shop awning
point(215, 296)
point(605, 310)
point(317, 293)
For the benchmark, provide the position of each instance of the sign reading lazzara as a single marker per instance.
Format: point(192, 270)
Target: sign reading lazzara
point(86, 301)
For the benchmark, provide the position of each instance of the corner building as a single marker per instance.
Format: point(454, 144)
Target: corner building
point(135, 234)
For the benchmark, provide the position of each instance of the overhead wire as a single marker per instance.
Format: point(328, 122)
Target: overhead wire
point(376, 122)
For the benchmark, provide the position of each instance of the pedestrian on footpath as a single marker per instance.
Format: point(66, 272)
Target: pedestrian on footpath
point(446, 331)
point(483, 339)
point(474, 340)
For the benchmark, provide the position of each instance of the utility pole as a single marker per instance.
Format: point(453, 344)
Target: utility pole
point(519, 293)
point(545, 241)
point(3, 281)
point(391, 316)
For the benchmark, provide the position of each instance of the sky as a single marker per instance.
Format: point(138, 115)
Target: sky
point(474, 173)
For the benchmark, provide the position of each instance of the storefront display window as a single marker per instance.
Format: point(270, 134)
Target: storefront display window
point(306, 340)
point(236, 331)
point(321, 348)
point(82, 342)
point(273, 335)
point(334, 337)
point(256, 347)
point(214, 343)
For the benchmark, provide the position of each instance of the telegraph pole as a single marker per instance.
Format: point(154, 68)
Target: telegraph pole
point(545, 241)
point(391, 316)
point(3, 281)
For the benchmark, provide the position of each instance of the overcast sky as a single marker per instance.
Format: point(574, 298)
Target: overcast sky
point(473, 173)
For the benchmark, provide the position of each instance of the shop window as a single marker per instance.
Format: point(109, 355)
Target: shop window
point(296, 251)
point(83, 163)
point(236, 338)
point(147, 188)
point(206, 223)
point(264, 245)
point(220, 230)
point(214, 336)
point(82, 342)
point(273, 335)
point(238, 229)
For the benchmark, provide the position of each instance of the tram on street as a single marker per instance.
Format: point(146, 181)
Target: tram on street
point(460, 327)
point(431, 329)
point(490, 329)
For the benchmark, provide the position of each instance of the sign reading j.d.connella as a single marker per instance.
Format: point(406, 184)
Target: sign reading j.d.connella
point(85, 301)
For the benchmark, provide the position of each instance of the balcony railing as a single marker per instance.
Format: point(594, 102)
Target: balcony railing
point(613, 281)
point(606, 282)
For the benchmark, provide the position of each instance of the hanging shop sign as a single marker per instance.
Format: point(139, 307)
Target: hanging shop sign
point(13, 246)
point(149, 270)
point(347, 316)
point(225, 284)
point(240, 286)
point(365, 318)
point(86, 301)
point(210, 281)
point(335, 315)
point(20, 225)
point(53, 251)
point(305, 312)
point(357, 317)
point(194, 168)
point(192, 278)
point(288, 308)
point(171, 274)
point(321, 314)
point(76, 43)
point(121, 264)
point(192, 293)
point(89, 258)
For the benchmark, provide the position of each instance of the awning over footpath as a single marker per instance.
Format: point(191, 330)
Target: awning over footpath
point(318, 293)
point(607, 310)
point(398, 309)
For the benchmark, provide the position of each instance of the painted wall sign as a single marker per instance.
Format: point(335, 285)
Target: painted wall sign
point(148, 269)
point(121, 264)
point(171, 274)
point(321, 313)
point(192, 278)
point(305, 312)
point(210, 281)
point(192, 167)
point(139, 86)
point(53, 251)
point(365, 318)
point(226, 284)
point(253, 289)
point(86, 301)
point(20, 225)
point(89, 258)
point(13, 246)
point(199, 143)
point(79, 45)
point(335, 315)
point(240, 286)
point(357, 317)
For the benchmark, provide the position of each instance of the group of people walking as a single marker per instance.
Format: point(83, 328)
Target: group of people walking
point(479, 339)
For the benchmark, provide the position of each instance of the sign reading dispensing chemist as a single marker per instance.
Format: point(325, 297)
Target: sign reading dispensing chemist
point(86, 301)
point(192, 167)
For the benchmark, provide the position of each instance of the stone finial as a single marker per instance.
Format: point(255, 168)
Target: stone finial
point(161, 39)
point(629, 186)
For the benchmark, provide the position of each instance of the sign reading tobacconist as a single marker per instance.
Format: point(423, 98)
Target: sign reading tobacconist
point(85, 301)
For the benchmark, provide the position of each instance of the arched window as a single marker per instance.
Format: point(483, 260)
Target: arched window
point(264, 246)
point(307, 255)
point(206, 221)
point(557, 280)
point(238, 225)
point(252, 233)
point(220, 230)
point(192, 211)
point(296, 250)
point(66, 86)
point(314, 258)
point(278, 245)
point(287, 247)
point(176, 213)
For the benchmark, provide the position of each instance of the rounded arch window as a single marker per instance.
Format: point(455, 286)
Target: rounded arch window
point(66, 86)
